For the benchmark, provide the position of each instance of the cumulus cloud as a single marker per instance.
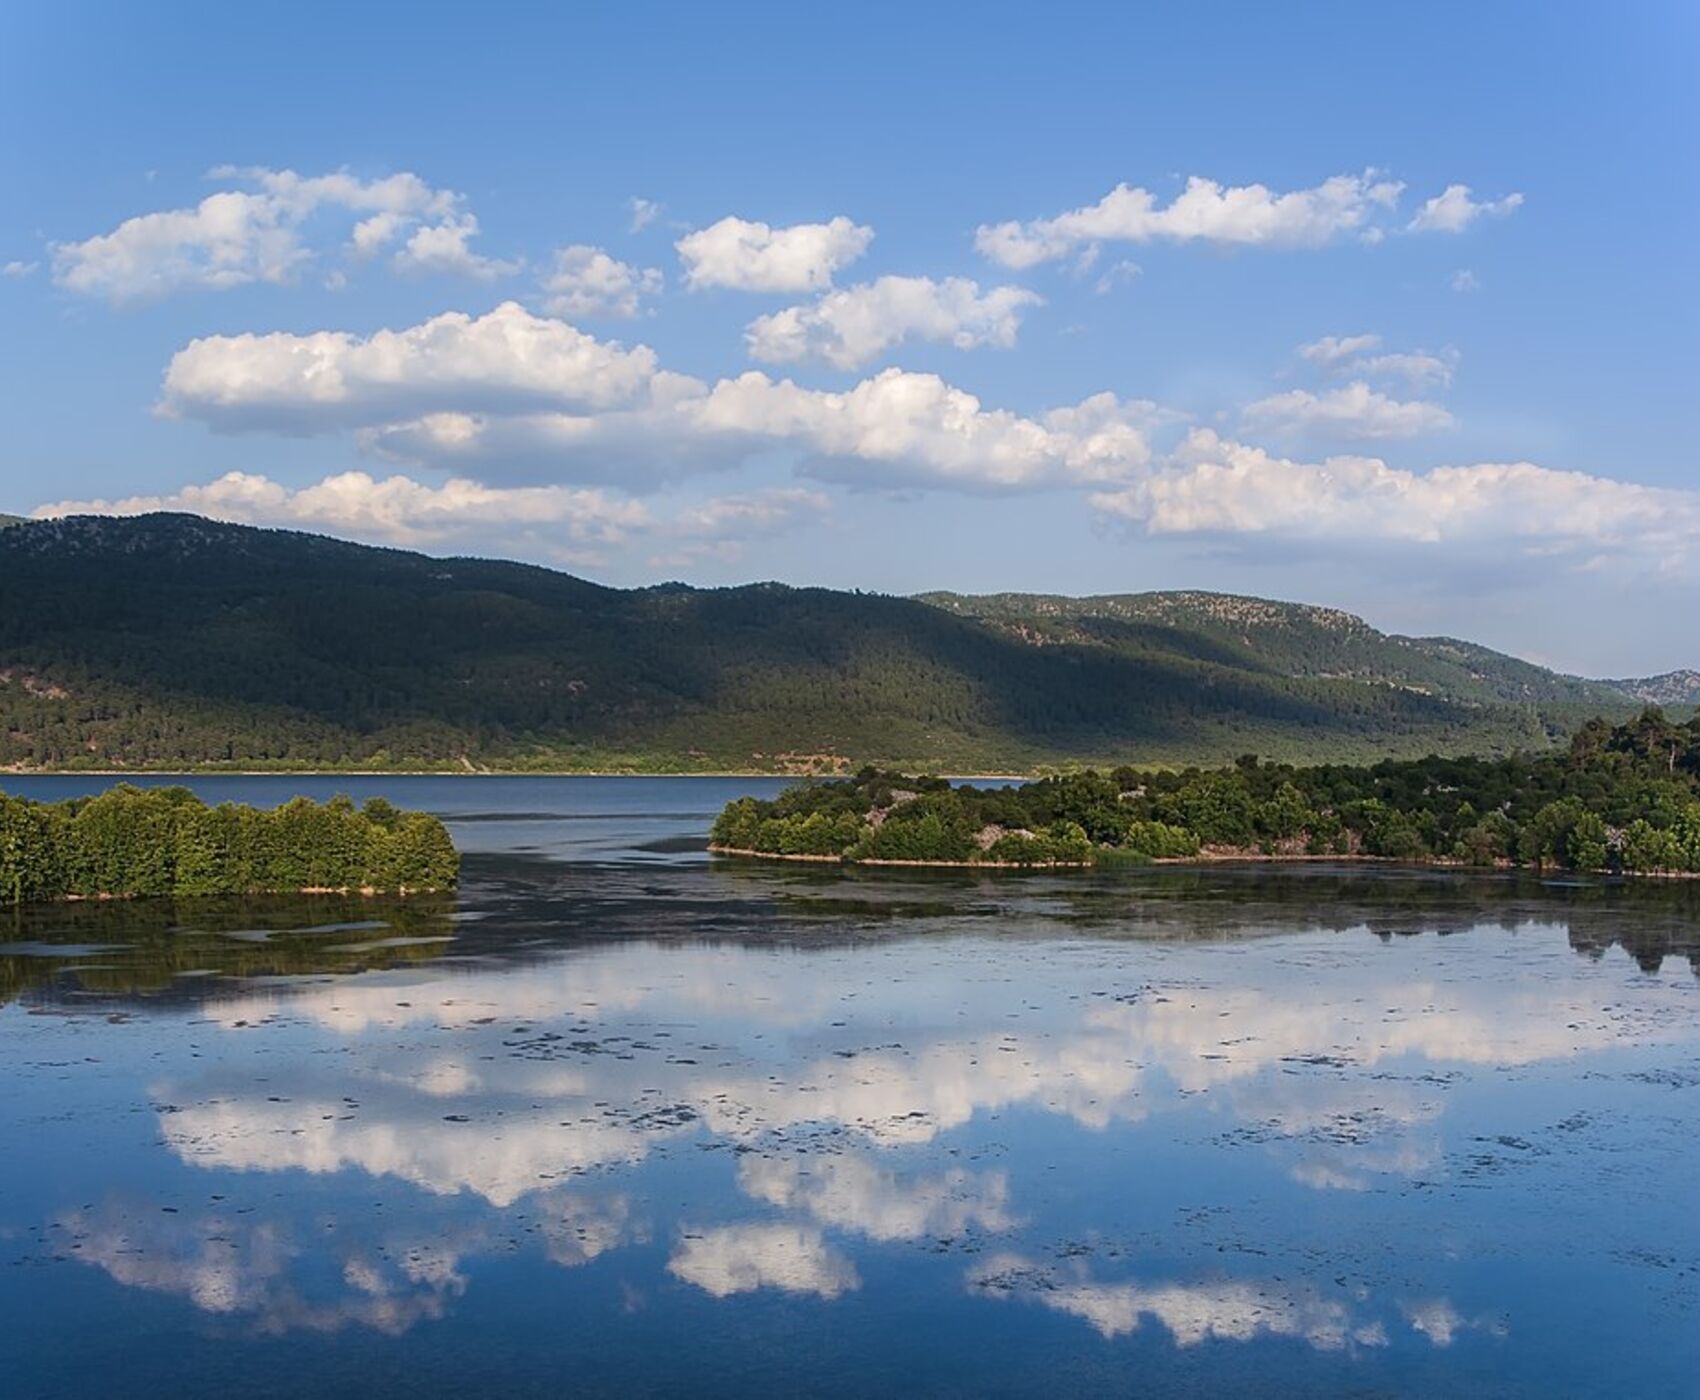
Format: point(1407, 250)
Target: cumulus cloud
point(18, 268)
point(902, 428)
point(445, 249)
point(1207, 212)
point(256, 234)
point(1454, 210)
point(395, 509)
point(1213, 485)
point(570, 524)
point(505, 359)
point(1353, 411)
point(896, 429)
point(755, 257)
point(587, 281)
point(644, 212)
point(511, 391)
point(850, 327)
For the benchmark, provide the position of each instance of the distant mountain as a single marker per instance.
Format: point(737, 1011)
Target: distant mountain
point(1672, 688)
point(1296, 639)
point(169, 640)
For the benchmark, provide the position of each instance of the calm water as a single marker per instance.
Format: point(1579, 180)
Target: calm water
point(619, 1119)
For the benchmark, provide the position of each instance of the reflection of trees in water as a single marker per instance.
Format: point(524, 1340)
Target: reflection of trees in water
point(528, 908)
point(169, 950)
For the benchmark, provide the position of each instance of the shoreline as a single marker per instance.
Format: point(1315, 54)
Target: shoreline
point(316, 891)
point(743, 854)
point(6, 773)
point(1204, 858)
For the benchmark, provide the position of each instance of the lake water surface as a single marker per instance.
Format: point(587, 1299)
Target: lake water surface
point(622, 1119)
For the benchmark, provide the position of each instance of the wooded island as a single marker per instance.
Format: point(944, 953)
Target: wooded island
point(132, 841)
point(1623, 798)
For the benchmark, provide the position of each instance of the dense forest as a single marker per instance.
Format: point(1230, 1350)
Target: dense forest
point(1623, 798)
point(131, 841)
point(170, 642)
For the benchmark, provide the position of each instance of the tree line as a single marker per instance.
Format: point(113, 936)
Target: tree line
point(166, 841)
point(1621, 798)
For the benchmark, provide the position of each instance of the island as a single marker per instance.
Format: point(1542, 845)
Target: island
point(1623, 798)
point(129, 842)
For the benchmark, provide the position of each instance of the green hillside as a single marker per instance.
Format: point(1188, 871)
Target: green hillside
point(167, 641)
point(1296, 640)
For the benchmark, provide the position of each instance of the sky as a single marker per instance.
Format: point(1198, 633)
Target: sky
point(1388, 308)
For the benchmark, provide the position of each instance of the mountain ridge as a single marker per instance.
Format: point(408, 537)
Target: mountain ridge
point(168, 641)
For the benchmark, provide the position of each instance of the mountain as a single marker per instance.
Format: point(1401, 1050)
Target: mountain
point(1296, 639)
point(166, 641)
point(1672, 688)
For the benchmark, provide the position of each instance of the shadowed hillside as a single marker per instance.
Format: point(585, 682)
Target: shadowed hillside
point(169, 640)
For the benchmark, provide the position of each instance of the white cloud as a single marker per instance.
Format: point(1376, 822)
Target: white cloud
point(573, 524)
point(443, 249)
point(1353, 411)
point(644, 212)
point(395, 509)
point(901, 428)
point(754, 257)
point(240, 236)
point(505, 359)
point(1333, 350)
point(894, 429)
point(1463, 280)
point(1417, 368)
point(1242, 215)
point(850, 327)
point(742, 1258)
point(511, 390)
point(370, 235)
point(1453, 210)
point(1212, 485)
point(586, 281)
point(18, 268)
point(1116, 275)
point(1350, 354)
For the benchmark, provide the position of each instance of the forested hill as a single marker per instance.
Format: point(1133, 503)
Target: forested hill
point(1298, 640)
point(168, 640)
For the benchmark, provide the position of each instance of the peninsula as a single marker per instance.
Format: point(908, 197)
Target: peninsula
point(1622, 798)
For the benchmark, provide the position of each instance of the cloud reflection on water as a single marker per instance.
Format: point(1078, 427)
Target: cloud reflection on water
point(839, 1079)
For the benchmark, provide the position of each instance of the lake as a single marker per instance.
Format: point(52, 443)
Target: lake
point(622, 1119)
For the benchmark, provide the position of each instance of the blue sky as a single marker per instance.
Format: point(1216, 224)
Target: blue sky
point(1395, 311)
